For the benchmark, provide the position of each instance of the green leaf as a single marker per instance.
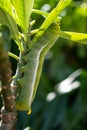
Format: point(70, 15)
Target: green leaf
point(23, 9)
point(7, 20)
point(51, 18)
point(74, 36)
point(82, 9)
point(7, 6)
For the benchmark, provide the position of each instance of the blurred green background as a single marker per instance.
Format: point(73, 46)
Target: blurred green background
point(61, 99)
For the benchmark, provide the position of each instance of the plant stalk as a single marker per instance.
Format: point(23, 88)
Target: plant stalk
point(8, 112)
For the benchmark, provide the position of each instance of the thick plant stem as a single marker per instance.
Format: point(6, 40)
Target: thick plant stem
point(8, 112)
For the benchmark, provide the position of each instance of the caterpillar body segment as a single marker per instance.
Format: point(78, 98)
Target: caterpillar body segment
point(32, 69)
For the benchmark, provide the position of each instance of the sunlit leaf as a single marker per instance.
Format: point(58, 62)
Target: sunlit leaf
point(23, 10)
point(77, 37)
point(69, 84)
point(27, 128)
point(8, 21)
point(7, 6)
point(51, 17)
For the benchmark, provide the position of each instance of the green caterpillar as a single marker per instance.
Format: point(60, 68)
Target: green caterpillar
point(31, 71)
